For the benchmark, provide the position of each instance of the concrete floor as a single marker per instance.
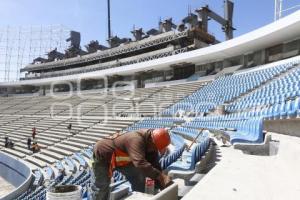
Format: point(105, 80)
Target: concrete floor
point(240, 176)
point(5, 187)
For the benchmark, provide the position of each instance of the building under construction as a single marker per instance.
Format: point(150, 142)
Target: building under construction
point(169, 39)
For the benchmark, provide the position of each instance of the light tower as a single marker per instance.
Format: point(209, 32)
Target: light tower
point(108, 20)
point(278, 9)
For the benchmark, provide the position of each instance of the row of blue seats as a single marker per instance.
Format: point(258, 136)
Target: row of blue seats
point(225, 89)
point(188, 106)
point(164, 119)
point(232, 84)
point(277, 91)
point(152, 123)
point(80, 159)
point(180, 146)
point(177, 141)
point(39, 194)
point(167, 160)
point(189, 133)
point(190, 158)
point(246, 131)
point(144, 126)
point(81, 178)
point(285, 110)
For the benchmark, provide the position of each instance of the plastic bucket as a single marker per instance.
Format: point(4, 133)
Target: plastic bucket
point(64, 192)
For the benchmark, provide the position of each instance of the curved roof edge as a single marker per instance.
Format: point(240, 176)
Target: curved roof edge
point(285, 29)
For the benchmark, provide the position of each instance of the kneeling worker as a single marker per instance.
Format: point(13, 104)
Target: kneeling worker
point(135, 155)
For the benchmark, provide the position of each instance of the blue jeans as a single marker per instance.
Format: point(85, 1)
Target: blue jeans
point(134, 176)
point(102, 181)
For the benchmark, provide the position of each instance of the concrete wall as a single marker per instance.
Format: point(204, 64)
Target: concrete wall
point(287, 127)
point(15, 172)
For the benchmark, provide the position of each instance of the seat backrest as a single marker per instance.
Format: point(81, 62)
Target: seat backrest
point(297, 103)
point(195, 155)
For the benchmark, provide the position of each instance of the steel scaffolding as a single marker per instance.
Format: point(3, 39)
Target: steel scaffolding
point(20, 45)
point(280, 9)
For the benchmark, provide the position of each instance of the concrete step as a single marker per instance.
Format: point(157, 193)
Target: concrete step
point(60, 137)
point(36, 161)
point(31, 165)
point(14, 152)
point(75, 144)
point(107, 128)
point(54, 155)
point(108, 125)
point(45, 142)
point(94, 132)
point(60, 151)
point(45, 158)
point(109, 132)
point(87, 137)
point(15, 136)
point(56, 130)
point(67, 147)
point(86, 141)
point(60, 129)
point(76, 128)
point(96, 135)
point(182, 188)
point(48, 138)
point(23, 150)
point(123, 122)
point(23, 144)
point(62, 133)
point(195, 179)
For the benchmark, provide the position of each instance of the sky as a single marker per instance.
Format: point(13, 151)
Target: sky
point(90, 18)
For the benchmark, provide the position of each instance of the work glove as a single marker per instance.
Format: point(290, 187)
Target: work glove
point(164, 180)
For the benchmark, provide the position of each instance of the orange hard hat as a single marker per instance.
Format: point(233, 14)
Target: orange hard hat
point(161, 139)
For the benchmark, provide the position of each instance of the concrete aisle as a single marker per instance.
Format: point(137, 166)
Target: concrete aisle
point(240, 176)
point(5, 187)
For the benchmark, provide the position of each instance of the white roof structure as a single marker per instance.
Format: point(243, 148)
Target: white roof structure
point(285, 29)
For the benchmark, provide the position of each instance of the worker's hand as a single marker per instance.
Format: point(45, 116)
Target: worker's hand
point(164, 180)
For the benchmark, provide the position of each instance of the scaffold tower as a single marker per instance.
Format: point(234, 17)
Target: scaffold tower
point(20, 45)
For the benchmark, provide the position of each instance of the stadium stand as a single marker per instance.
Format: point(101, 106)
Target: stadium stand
point(69, 149)
point(63, 148)
point(60, 148)
point(190, 109)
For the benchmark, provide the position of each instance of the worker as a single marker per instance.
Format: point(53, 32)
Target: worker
point(10, 144)
point(134, 154)
point(33, 132)
point(69, 127)
point(35, 147)
point(6, 139)
point(29, 143)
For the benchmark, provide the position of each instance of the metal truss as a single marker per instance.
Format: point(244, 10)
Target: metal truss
point(131, 47)
point(116, 64)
